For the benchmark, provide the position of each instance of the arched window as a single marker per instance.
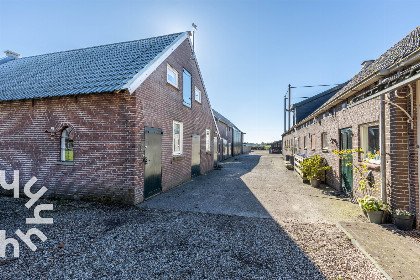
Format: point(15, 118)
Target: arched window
point(66, 145)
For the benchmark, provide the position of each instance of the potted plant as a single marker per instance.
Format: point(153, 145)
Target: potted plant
point(374, 208)
point(314, 168)
point(403, 219)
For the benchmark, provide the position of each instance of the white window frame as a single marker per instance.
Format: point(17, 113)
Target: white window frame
point(208, 144)
point(181, 138)
point(305, 142)
point(196, 90)
point(171, 69)
point(64, 138)
point(324, 140)
point(364, 143)
point(295, 145)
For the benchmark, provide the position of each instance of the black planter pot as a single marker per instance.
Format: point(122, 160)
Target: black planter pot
point(404, 222)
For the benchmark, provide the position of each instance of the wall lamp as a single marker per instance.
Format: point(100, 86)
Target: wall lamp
point(52, 131)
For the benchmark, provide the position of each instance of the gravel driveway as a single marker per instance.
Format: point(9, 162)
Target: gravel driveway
point(250, 220)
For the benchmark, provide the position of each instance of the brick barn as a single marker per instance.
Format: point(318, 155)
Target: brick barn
point(231, 138)
point(119, 122)
point(377, 112)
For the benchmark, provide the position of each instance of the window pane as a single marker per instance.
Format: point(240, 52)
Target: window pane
point(373, 140)
point(177, 138)
point(177, 143)
point(187, 88)
point(66, 145)
point(172, 77)
point(197, 95)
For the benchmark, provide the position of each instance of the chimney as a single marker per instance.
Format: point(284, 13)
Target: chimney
point(9, 57)
point(366, 63)
point(12, 54)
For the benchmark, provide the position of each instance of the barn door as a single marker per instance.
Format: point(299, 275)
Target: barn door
point(152, 161)
point(346, 170)
point(195, 156)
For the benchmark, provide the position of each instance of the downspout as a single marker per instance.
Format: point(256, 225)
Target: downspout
point(382, 147)
point(412, 127)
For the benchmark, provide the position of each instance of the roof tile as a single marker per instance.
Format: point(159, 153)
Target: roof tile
point(83, 71)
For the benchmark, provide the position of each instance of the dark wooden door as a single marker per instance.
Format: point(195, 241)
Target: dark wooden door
point(195, 156)
point(152, 161)
point(346, 170)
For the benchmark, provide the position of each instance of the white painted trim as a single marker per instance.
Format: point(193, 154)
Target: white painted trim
point(141, 76)
point(170, 68)
point(376, 95)
point(181, 138)
point(392, 88)
point(208, 140)
point(204, 87)
point(199, 94)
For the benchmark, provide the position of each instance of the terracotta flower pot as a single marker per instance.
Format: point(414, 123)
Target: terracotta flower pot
point(404, 222)
point(315, 183)
point(375, 217)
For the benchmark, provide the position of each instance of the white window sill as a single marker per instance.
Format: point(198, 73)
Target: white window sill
point(371, 166)
point(172, 85)
point(177, 156)
point(374, 161)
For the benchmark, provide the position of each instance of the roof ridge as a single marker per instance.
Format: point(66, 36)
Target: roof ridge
point(98, 46)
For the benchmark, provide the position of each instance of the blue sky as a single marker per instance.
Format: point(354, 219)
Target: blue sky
point(248, 51)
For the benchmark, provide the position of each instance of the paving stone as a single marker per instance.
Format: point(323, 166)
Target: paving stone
point(397, 255)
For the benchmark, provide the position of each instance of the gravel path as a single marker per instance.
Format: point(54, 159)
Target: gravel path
point(250, 220)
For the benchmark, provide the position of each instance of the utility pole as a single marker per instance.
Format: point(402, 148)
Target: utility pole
point(290, 87)
point(285, 110)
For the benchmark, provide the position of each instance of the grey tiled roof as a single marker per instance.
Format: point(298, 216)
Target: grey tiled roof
point(398, 52)
point(219, 116)
point(309, 105)
point(319, 95)
point(98, 69)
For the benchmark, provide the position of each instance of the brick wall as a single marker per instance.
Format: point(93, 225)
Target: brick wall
point(401, 141)
point(226, 132)
point(109, 129)
point(159, 104)
point(103, 156)
point(348, 118)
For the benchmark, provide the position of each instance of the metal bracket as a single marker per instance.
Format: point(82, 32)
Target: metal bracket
point(410, 119)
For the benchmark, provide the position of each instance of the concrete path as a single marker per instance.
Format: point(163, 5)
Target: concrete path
point(218, 192)
point(257, 185)
point(397, 255)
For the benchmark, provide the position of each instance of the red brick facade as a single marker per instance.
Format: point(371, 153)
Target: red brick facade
point(159, 104)
point(401, 141)
point(108, 132)
point(225, 134)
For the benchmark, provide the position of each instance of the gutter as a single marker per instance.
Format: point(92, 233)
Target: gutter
point(392, 88)
point(366, 82)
